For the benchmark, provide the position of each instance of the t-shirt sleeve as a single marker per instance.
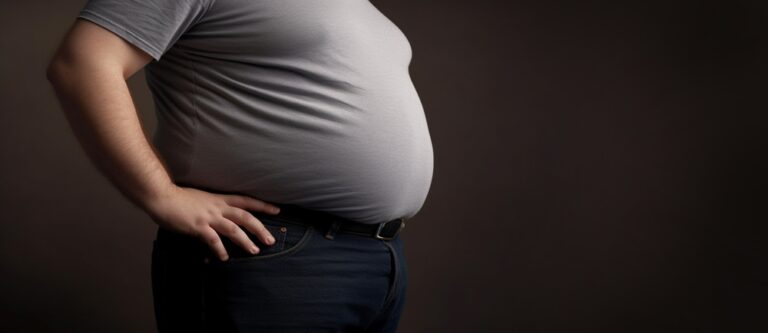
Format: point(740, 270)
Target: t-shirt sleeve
point(151, 25)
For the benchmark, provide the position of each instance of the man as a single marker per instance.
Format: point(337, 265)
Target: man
point(291, 128)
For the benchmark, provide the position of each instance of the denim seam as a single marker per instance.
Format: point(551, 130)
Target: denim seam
point(395, 273)
point(392, 290)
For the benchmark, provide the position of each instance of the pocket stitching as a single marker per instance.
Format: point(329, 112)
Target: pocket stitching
point(299, 245)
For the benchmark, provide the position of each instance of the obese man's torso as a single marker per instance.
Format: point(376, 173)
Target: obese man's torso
point(296, 101)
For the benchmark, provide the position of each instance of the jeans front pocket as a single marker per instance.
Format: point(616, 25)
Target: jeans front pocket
point(290, 237)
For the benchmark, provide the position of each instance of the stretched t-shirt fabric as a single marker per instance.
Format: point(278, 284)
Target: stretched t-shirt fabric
point(289, 101)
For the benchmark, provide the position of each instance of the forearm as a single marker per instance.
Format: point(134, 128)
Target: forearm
point(99, 108)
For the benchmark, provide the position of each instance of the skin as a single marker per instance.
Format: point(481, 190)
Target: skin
point(88, 73)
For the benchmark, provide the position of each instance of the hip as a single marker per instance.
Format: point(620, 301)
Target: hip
point(304, 279)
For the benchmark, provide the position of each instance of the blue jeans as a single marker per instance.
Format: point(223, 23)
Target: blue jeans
point(304, 282)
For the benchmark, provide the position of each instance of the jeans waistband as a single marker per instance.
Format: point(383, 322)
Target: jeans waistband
point(331, 223)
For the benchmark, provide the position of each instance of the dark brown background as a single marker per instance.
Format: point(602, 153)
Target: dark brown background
point(599, 167)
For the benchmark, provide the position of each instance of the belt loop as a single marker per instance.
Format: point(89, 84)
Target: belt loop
point(332, 229)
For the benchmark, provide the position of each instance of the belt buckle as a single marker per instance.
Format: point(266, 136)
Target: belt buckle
point(381, 226)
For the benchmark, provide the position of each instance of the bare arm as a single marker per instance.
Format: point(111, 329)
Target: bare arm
point(89, 73)
point(90, 84)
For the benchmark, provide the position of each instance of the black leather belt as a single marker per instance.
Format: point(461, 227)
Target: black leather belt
point(385, 230)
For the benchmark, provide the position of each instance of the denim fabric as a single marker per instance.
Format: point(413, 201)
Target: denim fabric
point(305, 282)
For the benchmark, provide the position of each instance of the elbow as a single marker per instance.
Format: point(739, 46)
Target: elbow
point(54, 71)
point(61, 68)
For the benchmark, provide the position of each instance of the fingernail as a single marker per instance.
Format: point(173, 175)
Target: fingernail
point(275, 210)
point(254, 250)
point(271, 240)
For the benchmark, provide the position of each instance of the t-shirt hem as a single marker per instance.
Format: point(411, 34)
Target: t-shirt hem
point(121, 31)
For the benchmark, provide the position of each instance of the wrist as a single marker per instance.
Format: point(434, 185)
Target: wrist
point(154, 197)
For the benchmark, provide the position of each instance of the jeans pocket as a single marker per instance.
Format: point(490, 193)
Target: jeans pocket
point(290, 237)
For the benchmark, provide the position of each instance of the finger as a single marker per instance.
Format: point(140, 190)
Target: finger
point(246, 202)
point(212, 239)
point(235, 233)
point(250, 222)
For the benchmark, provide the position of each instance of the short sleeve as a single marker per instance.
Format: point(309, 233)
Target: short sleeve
point(151, 25)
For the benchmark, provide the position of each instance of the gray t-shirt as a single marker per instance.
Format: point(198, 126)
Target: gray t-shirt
point(289, 101)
